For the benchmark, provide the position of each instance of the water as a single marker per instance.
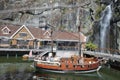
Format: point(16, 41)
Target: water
point(23, 71)
point(105, 25)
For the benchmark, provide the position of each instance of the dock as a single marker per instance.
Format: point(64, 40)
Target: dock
point(107, 56)
point(14, 49)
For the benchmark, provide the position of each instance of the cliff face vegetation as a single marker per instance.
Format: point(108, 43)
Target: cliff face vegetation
point(64, 15)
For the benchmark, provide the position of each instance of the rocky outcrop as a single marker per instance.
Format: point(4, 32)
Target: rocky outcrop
point(60, 18)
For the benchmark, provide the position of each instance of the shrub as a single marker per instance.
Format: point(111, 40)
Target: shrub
point(90, 46)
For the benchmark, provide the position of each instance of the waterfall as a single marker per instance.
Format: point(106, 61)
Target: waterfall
point(104, 26)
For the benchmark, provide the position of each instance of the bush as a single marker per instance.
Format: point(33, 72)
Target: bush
point(90, 46)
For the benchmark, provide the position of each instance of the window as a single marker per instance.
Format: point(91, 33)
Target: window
point(23, 34)
point(4, 41)
point(22, 42)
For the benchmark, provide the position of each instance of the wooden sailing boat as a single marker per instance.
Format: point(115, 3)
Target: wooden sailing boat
point(74, 64)
point(48, 61)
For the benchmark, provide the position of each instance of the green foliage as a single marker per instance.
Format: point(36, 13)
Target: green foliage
point(98, 2)
point(99, 9)
point(61, 27)
point(71, 1)
point(64, 11)
point(90, 46)
point(89, 33)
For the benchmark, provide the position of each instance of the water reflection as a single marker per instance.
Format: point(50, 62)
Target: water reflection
point(57, 76)
point(15, 71)
point(23, 71)
point(104, 74)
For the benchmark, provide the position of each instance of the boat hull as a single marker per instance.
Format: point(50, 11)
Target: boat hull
point(84, 69)
point(68, 71)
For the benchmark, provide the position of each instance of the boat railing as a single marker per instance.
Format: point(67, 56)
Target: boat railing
point(88, 63)
point(49, 62)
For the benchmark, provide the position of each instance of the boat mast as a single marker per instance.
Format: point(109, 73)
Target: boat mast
point(52, 39)
point(78, 24)
point(79, 43)
point(51, 2)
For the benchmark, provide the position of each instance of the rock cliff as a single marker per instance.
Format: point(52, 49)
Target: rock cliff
point(64, 15)
point(38, 13)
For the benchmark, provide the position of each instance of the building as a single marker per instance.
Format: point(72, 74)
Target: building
point(5, 34)
point(36, 38)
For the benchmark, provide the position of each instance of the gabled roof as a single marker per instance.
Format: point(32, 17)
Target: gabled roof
point(40, 34)
point(23, 26)
point(65, 36)
point(36, 32)
point(47, 34)
point(68, 36)
point(57, 35)
point(12, 29)
point(6, 28)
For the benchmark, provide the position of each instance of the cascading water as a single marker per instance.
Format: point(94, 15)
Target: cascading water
point(104, 26)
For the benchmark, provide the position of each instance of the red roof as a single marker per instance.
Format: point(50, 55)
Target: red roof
point(12, 29)
point(60, 35)
point(36, 32)
point(40, 34)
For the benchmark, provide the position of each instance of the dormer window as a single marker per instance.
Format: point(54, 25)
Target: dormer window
point(6, 30)
point(47, 34)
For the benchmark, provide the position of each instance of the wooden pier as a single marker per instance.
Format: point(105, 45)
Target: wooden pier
point(104, 55)
point(18, 52)
point(14, 49)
